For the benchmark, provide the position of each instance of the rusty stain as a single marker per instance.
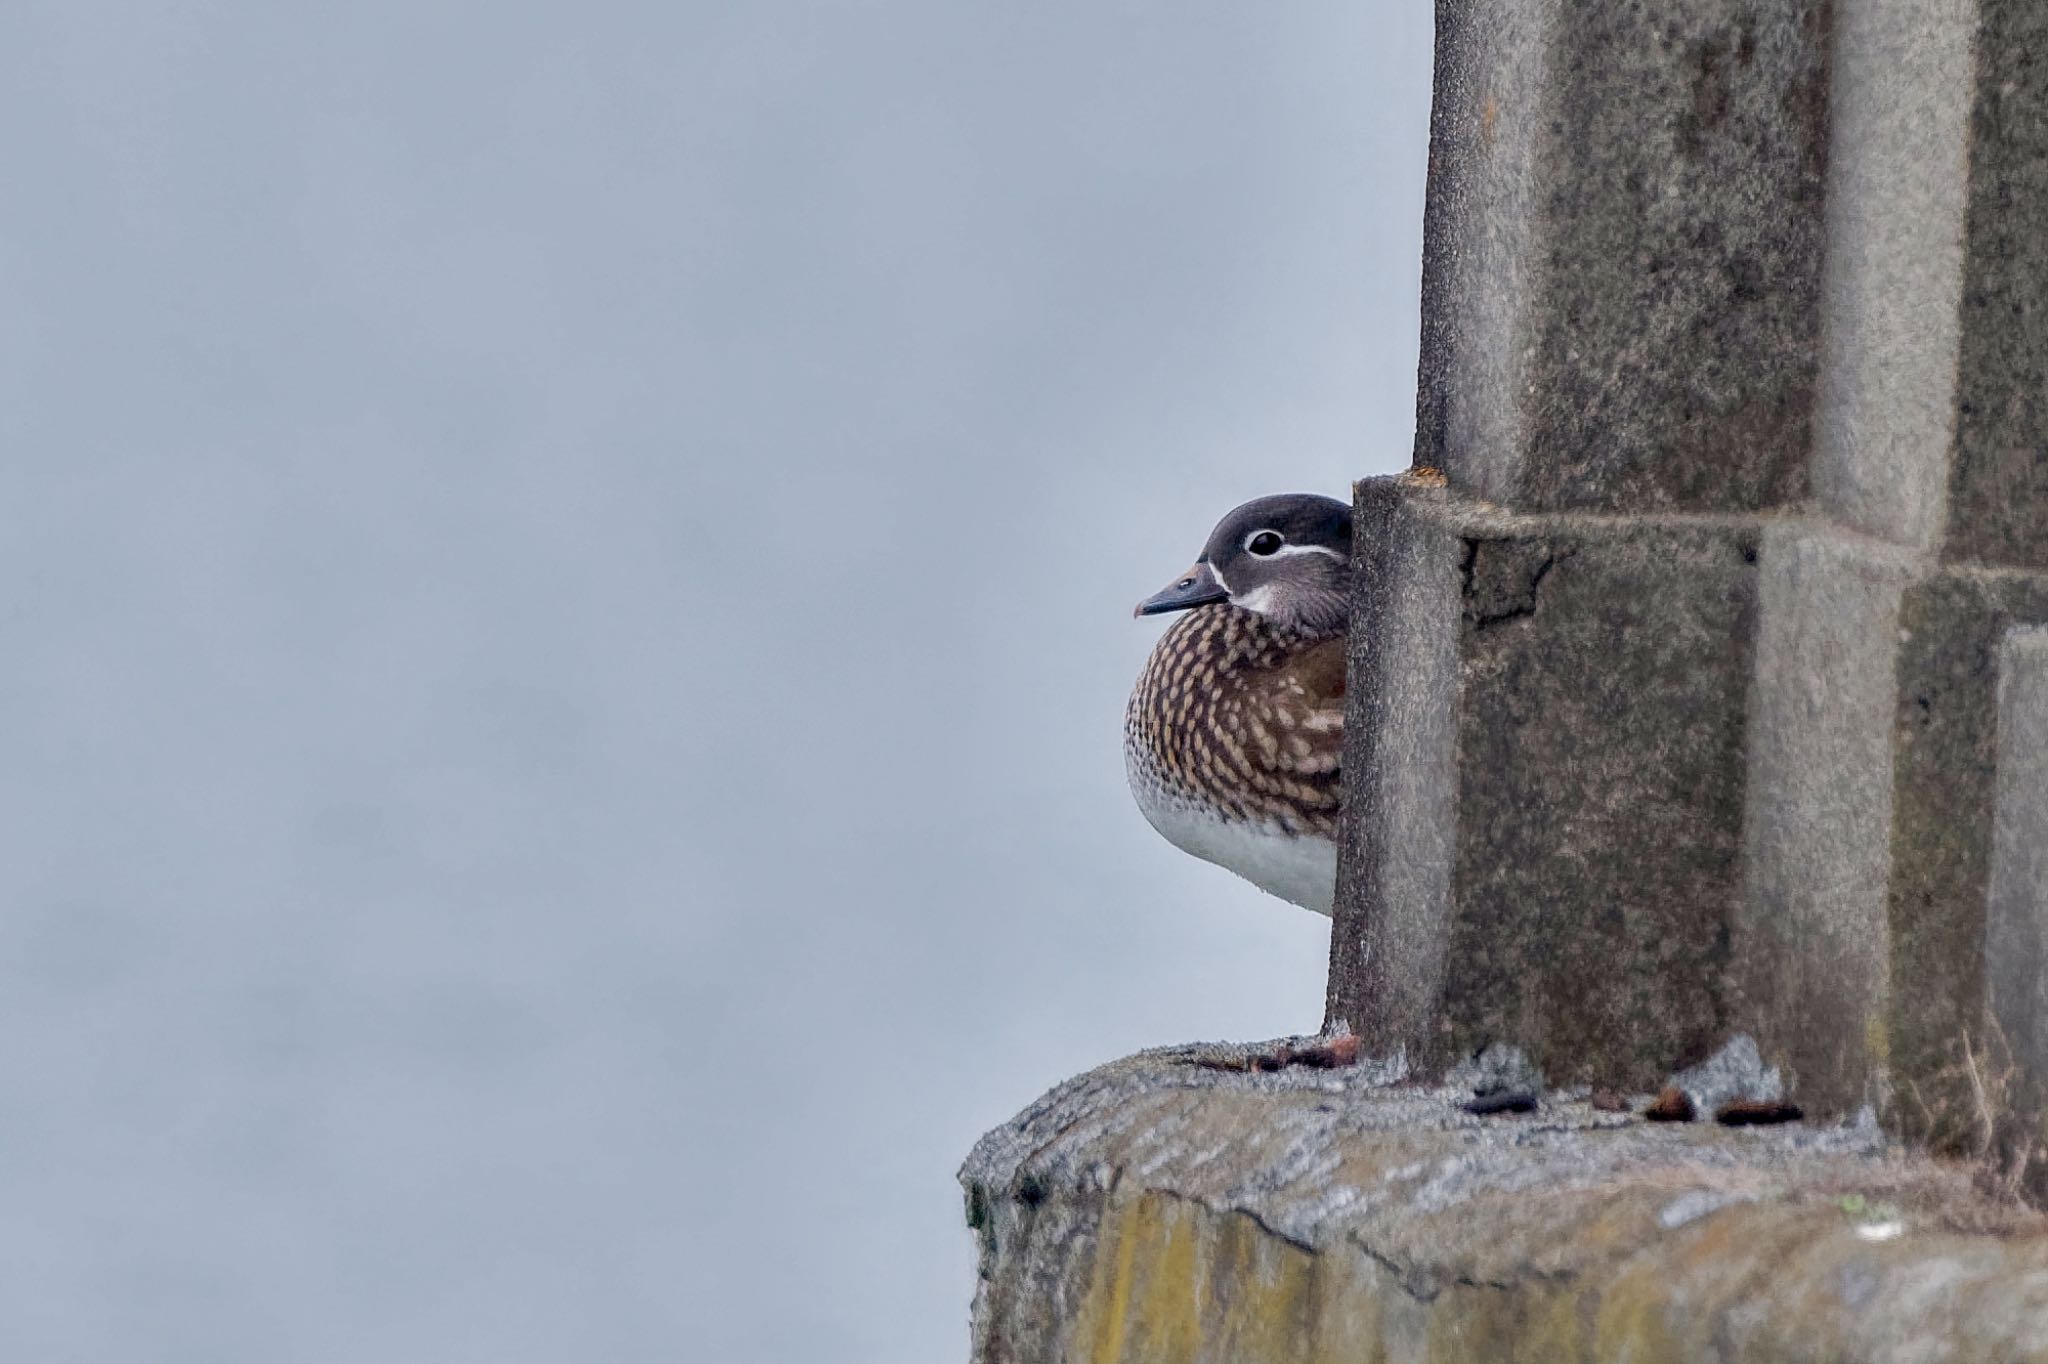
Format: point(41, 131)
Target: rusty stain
point(1672, 1104)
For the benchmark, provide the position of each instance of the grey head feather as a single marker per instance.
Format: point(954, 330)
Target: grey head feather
point(1287, 557)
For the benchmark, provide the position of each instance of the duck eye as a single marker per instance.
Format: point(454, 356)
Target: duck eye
point(1265, 542)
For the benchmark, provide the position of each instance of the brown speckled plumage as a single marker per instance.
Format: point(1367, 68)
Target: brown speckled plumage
point(1243, 715)
point(1233, 733)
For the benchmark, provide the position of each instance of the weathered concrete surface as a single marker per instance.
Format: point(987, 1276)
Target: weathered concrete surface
point(1898, 166)
point(1812, 958)
point(1998, 491)
point(2016, 931)
point(1399, 752)
point(1709, 279)
point(1577, 703)
point(1629, 785)
point(1623, 252)
point(1159, 1209)
point(1945, 757)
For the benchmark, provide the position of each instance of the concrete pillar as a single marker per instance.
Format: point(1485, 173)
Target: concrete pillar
point(1677, 704)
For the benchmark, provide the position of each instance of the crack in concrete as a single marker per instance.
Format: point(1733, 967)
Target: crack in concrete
point(1490, 592)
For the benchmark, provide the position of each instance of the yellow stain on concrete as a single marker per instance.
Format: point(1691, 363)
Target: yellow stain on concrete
point(1174, 1282)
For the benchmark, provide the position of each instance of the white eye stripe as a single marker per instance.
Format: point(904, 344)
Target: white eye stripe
point(1283, 549)
point(1286, 551)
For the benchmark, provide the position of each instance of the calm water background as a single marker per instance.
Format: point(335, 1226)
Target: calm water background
point(566, 577)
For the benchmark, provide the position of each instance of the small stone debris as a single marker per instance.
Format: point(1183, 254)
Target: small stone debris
point(1734, 1074)
point(1336, 1053)
point(1672, 1104)
point(1497, 1069)
point(1487, 1105)
point(1609, 1101)
point(1756, 1112)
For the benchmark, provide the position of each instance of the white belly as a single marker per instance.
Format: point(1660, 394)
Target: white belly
point(1297, 868)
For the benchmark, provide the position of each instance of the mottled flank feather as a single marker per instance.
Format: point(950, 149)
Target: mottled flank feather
point(1234, 732)
point(1244, 716)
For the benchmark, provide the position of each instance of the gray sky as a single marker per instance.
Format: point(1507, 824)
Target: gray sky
point(567, 575)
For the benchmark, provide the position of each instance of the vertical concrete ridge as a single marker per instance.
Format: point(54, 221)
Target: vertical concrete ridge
point(2016, 931)
point(1486, 119)
point(1399, 727)
point(1891, 335)
point(1812, 962)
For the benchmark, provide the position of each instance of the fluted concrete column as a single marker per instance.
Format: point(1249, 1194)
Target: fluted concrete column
point(1677, 707)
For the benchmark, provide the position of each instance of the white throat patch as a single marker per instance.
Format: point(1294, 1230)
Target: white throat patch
point(1259, 599)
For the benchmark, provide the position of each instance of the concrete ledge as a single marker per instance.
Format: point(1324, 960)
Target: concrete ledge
point(1176, 1207)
